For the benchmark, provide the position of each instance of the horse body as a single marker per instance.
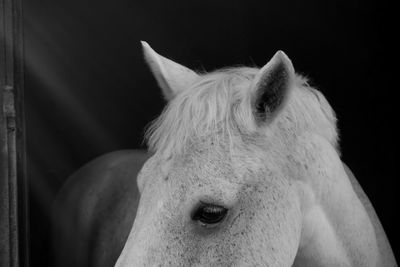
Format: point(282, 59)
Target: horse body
point(245, 172)
point(94, 211)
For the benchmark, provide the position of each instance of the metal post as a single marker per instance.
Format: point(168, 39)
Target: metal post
point(14, 241)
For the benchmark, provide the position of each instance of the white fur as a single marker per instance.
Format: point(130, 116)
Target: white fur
point(289, 198)
point(216, 102)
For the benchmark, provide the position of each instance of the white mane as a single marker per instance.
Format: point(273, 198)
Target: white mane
point(218, 102)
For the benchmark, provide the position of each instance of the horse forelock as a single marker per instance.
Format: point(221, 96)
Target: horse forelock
point(217, 106)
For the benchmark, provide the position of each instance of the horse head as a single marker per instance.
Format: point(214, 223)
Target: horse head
point(240, 156)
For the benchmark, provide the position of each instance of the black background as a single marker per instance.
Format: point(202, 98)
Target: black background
point(89, 92)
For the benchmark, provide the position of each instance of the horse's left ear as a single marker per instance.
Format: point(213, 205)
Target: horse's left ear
point(271, 87)
point(171, 76)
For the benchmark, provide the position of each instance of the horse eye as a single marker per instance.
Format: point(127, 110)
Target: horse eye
point(209, 214)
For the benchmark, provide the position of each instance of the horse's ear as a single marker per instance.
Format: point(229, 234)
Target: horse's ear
point(271, 87)
point(171, 76)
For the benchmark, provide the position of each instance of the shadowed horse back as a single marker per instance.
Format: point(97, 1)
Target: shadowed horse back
point(95, 209)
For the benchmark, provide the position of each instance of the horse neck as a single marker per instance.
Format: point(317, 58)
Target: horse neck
point(337, 230)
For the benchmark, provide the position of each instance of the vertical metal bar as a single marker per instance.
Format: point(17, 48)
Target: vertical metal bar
point(9, 115)
point(14, 241)
point(5, 231)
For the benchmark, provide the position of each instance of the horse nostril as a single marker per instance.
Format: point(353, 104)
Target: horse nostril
point(209, 214)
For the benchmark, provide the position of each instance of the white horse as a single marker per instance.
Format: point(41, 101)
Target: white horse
point(246, 171)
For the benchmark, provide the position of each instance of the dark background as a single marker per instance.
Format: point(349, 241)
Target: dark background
point(88, 91)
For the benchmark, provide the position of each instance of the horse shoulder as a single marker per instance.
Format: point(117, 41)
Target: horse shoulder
point(95, 209)
point(386, 254)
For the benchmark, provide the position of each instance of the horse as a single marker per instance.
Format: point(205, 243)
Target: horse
point(243, 169)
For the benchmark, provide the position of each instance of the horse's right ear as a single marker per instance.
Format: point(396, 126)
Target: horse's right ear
point(271, 87)
point(171, 76)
